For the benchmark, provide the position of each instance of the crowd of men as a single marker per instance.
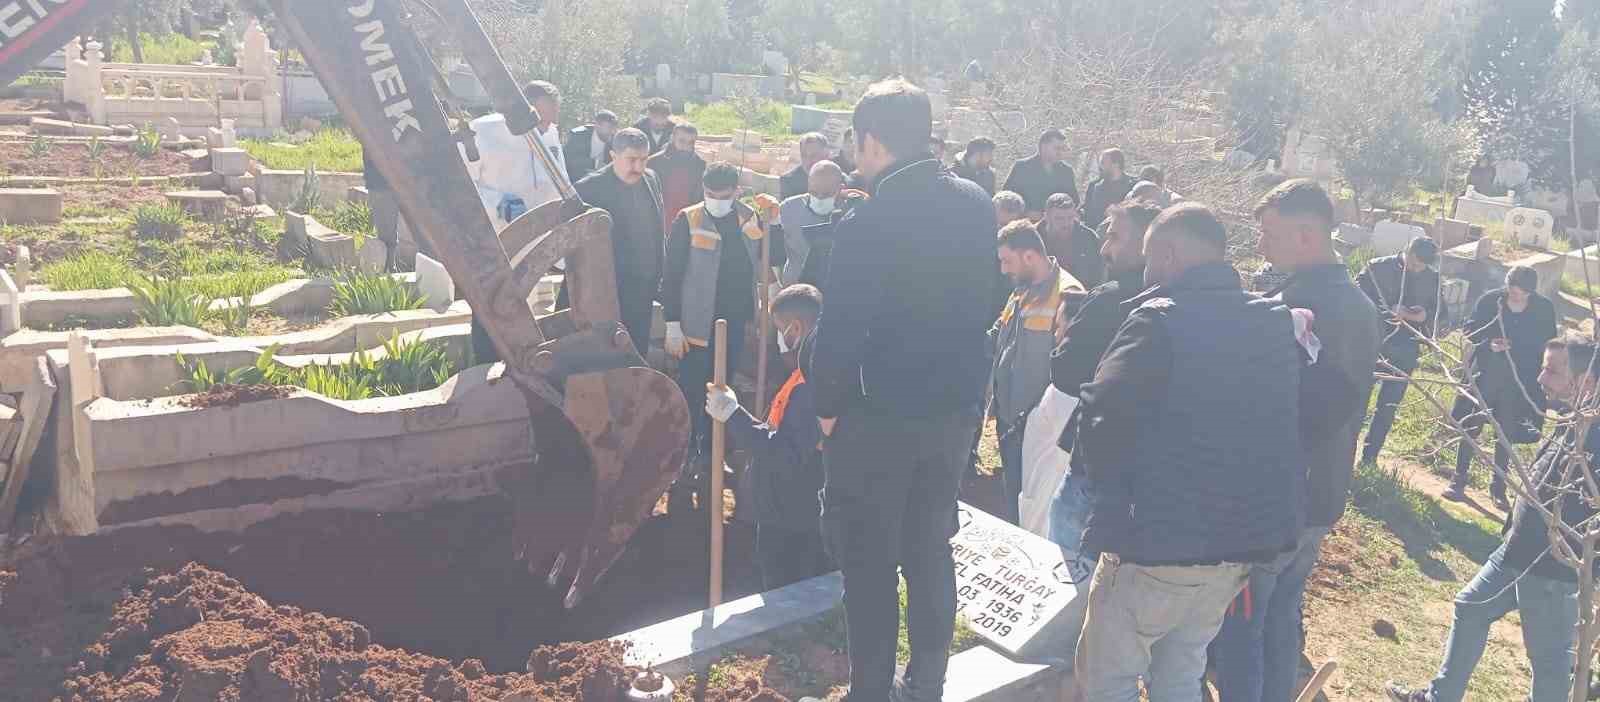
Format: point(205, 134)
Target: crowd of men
point(1215, 429)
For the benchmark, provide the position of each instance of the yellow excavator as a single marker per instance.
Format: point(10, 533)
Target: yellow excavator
point(609, 433)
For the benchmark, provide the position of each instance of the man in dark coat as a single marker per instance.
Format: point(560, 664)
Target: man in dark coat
point(631, 194)
point(1110, 188)
point(589, 146)
point(656, 123)
point(1526, 574)
point(680, 171)
point(1074, 246)
point(785, 464)
point(1043, 174)
point(813, 148)
point(899, 373)
point(976, 163)
point(1257, 653)
point(1189, 433)
point(1508, 331)
point(1405, 290)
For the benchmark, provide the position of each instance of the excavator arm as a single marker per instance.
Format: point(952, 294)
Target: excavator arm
point(609, 433)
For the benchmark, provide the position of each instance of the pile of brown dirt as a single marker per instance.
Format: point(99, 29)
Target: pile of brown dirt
point(230, 395)
point(198, 634)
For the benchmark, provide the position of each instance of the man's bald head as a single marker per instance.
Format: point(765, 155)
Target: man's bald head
point(826, 179)
point(1182, 237)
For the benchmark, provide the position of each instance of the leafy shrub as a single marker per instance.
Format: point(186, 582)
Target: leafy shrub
point(199, 378)
point(310, 195)
point(372, 293)
point(353, 218)
point(1358, 259)
point(91, 270)
point(162, 222)
point(170, 48)
point(148, 142)
point(39, 148)
point(169, 302)
point(405, 367)
point(218, 286)
point(769, 117)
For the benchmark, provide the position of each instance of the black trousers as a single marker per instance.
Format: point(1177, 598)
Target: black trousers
point(694, 371)
point(1390, 394)
point(788, 556)
point(889, 510)
point(1466, 412)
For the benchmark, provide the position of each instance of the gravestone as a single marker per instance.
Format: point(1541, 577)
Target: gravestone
point(1510, 173)
point(206, 204)
point(23, 272)
point(1390, 237)
point(229, 161)
point(1011, 585)
point(171, 130)
point(775, 62)
point(434, 283)
point(663, 75)
point(1451, 233)
point(247, 196)
point(1478, 209)
point(30, 206)
point(1530, 227)
point(10, 304)
point(230, 134)
point(373, 255)
point(1355, 235)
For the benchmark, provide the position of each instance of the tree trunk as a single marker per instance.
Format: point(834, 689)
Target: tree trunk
point(1586, 625)
point(133, 33)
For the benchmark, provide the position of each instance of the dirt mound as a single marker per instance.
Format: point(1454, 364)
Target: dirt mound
point(230, 395)
point(198, 634)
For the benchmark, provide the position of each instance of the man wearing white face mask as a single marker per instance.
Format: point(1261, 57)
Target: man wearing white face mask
point(815, 207)
point(713, 268)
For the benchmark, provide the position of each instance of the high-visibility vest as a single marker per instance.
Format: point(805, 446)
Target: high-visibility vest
point(705, 259)
point(1027, 332)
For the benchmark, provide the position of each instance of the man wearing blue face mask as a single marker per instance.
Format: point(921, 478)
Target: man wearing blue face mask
point(713, 268)
point(786, 465)
point(815, 207)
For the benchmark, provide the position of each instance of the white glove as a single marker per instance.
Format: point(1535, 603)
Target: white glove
point(721, 403)
point(676, 345)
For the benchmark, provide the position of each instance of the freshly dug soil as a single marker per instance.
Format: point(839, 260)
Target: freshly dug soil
point(122, 616)
point(230, 395)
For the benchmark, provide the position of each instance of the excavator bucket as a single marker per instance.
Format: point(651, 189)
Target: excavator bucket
point(609, 433)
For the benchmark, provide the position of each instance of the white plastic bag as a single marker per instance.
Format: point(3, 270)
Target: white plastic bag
point(1044, 464)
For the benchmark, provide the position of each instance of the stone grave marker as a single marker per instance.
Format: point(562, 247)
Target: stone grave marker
point(229, 161)
point(30, 206)
point(1391, 237)
point(434, 282)
point(373, 255)
point(171, 130)
point(206, 204)
point(1011, 585)
point(23, 272)
point(1353, 234)
point(663, 74)
point(1482, 210)
point(1451, 233)
point(10, 304)
point(1530, 227)
point(230, 134)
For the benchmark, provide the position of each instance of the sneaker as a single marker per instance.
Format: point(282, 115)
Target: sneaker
point(1454, 494)
point(1401, 693)
point(1501, 502)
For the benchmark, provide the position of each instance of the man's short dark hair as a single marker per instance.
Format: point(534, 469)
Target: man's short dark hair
point(800, 301)
point(1152, 174)
point(540, 89)
point(1426, 250)
point(658, 106)
point(1196, 222)
point(630, 138)
point(686, 127)
point(1019, 236)
point(605, 117)
point(1580, 349)
point(1116, 156)
point(1050, 135)
point(1298, 197)
point(979, 145)
point(1056, 200)
point(1524, 277)
point(1140, 212)
point(721, 176)
point(898, 115)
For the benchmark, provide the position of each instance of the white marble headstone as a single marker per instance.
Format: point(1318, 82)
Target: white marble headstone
point(10, 305)
point(1010, 583)
point(1530, 227)
point(434, 282)
point(1391, 237)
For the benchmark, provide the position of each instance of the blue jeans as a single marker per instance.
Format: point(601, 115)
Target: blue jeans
point(1549, 611)
point(1257, 657)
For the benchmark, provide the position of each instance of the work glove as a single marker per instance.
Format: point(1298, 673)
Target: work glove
point(510, 208)
point(676, 345)
point(721, 403)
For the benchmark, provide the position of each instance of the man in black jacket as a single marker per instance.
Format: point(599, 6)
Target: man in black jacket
point(1189, 433)
point(1043, 174)
point(1526, 573)
point(813, 149)
point(976, 163)
point(1257, 653)
point(899, 372)
point(630, 193)
point(589, 146)
point(1405, 289)
point(1108, 189)
point(1074, 246)
point(656, 123)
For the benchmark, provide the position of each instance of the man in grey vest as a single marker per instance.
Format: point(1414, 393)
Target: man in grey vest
point(1189, 434)
point(1023, 337)
point(713, 268)
point(814, 207)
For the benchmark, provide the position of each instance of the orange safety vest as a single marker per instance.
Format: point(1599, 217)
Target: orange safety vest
point(780, 404)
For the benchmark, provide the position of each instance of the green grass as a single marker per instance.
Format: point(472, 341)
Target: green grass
point(331, 150)
point(403, 367)
point(353, 218)
point(164, 48)
point(1358, 259)
point(769, 117)
point(92, 270)
point(372, 293)
point(1578, 287)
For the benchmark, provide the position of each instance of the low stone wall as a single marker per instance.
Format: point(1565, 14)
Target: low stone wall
point(279, 188)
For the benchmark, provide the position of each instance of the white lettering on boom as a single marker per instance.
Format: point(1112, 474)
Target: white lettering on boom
point(386, 77)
